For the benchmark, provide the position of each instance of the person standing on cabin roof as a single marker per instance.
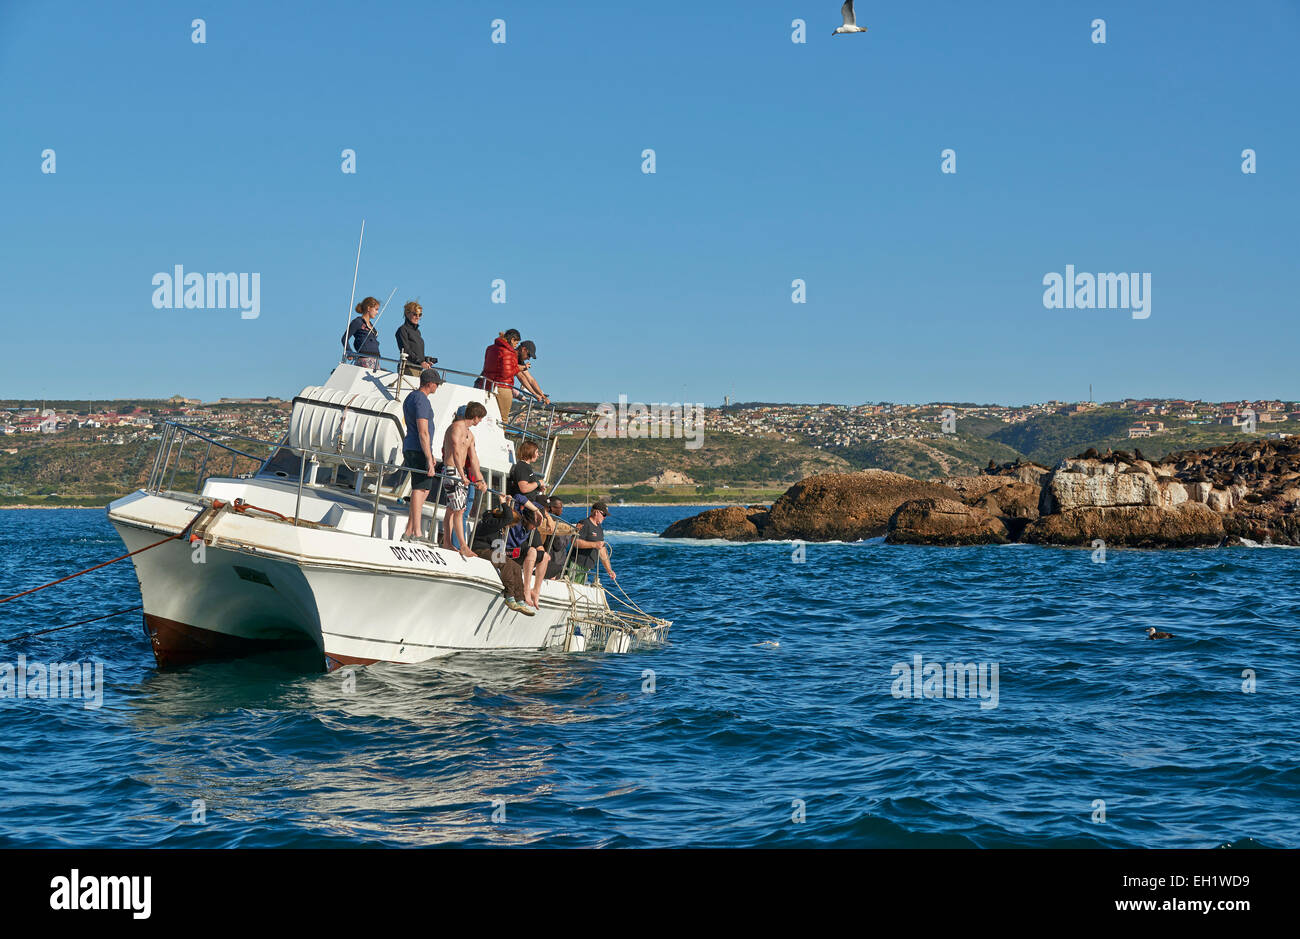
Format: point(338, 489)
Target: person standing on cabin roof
point(460, 463)
point(500, 366)
point(410, 341)
point(418, 449)
point(528, 350)
point(365, 341)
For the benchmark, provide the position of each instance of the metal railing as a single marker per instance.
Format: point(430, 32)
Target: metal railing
point(538, 420)
point(171, 445)
point(170, 456)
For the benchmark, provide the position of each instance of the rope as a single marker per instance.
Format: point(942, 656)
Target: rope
point(95, 619)
point(184, 531)
point(630, 602)
point(239, 505)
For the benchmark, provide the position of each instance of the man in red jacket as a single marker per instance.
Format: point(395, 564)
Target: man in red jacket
point(500, 366)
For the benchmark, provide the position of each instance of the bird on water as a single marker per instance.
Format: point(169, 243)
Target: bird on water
point(850, 20)
point(1153, 633)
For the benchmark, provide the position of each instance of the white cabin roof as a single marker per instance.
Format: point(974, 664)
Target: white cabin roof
point(495, 451)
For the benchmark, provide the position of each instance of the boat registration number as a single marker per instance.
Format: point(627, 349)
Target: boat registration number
point(410, 552)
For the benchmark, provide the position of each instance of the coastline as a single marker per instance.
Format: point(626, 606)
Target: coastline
point(689, 505)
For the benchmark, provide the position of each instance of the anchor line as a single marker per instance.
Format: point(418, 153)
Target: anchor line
point(180, 534)
point(93, 619)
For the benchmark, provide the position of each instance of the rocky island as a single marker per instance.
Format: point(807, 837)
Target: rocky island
point(1235, 494)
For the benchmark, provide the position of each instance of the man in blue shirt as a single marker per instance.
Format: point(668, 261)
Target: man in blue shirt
point(418, 449)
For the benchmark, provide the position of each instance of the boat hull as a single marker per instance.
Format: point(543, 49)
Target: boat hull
point(250, 584)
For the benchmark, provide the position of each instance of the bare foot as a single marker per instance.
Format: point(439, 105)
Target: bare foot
point(467, 554)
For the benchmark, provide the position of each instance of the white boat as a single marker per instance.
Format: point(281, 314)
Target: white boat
point(299, 545)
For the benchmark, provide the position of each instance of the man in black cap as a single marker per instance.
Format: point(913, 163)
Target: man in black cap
point(417, 447)
point(590, 540)
point(559, 544)
point(528, 350)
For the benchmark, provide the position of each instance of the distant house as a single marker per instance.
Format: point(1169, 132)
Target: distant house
point(1139, 430)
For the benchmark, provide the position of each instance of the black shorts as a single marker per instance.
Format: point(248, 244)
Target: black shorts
point(419, 466)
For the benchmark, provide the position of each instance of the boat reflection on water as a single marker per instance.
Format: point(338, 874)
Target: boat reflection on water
point(387, 754)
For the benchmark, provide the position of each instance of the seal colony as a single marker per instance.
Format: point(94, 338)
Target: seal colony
point(1242, 493)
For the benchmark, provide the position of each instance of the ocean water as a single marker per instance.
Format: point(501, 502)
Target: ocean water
point(774, 716)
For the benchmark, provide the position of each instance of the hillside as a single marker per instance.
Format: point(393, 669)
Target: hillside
point(1055, 437)
point(72, 467)
point(85, 465)
point(951, 455)
point(722, 459)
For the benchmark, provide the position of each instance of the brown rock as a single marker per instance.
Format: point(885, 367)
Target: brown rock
point(1024, 471)
point(1273, 522)
point(971, 488)
point(1189, 525)
point(944, 522)
point(732, 522)
point(846, 506)
point(1012, 500)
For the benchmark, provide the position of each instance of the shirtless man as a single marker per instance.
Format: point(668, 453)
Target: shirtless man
point(460, 461)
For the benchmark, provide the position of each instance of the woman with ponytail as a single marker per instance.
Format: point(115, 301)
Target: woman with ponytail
point(365, 341)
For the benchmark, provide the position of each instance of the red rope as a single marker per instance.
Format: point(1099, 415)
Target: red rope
point(239, 505)
point(184, 531)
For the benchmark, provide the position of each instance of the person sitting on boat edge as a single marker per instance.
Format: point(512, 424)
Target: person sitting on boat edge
point(490, 545)
point(418, 449)
point(524, 545)
point(590, 541)
point(500, 366)
point(365, 341)
point(561, 565)
point(523, 480)
point(460, 471)
point(411, 342)
point(528, 350)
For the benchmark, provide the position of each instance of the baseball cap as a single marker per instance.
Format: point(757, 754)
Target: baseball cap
point(430, 375)
point(530, 346)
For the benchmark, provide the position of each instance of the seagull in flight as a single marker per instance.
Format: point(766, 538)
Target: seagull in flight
point(850, 20)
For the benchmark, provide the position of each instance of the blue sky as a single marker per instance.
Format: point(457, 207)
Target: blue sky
point(775, 161)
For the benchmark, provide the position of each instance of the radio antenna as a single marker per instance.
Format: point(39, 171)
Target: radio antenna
point(371, 332)
point(353, 298)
